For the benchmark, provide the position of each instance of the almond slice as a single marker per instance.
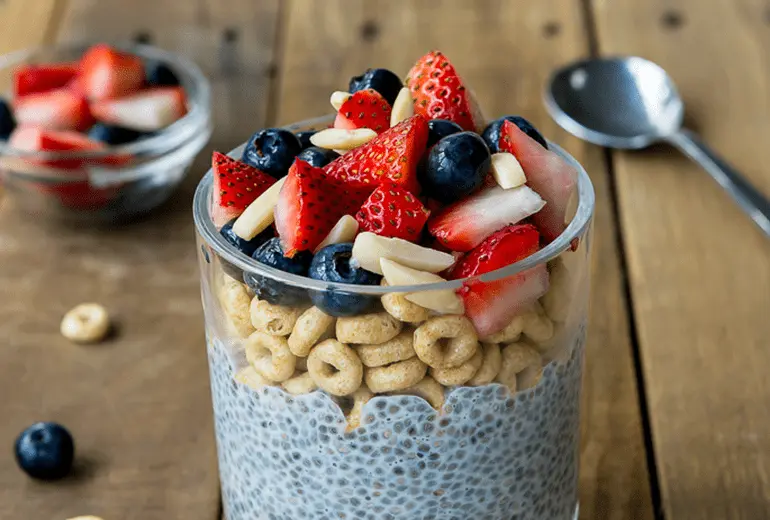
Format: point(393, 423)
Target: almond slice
point(344, 230)
point(369, 248)
point(444, 301)
point(403, 107)
point(255, 219)
point(337, 138)
point(338, 99)
point(507, 171)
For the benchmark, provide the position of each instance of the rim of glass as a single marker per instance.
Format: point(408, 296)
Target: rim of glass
point(205, 226)
point(196, 86)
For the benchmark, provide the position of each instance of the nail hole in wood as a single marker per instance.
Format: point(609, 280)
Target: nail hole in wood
point(767, 15)
point(143, 37)
point(271, 71)
point(230, 35)
point(551, 29)
point(672, 19)
point(370, 30)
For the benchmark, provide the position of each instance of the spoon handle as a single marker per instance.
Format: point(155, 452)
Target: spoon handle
point(751, 201)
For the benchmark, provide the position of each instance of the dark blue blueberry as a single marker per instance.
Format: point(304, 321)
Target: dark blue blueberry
point(382, 80)
point(491, 133)
point(45, 451)
point(7, 121)
point(247, 247)
point(113, 134)
point(440, 128)
point(272, 151)
point(278, 293)
point(304, 138)
point(160, 74)
point(332, 264)
point(318, 157)
point(456, 167)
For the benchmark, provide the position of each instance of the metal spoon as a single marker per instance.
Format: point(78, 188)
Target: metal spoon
point(632, 103)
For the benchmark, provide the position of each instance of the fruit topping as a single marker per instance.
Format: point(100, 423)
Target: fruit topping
point(338, 99)
point(45, 451)
point(113, 134)
point(7, 121)
point(247, 247)
point(369, 248)
point(444, 301)
point(333, 264)
point(32, 139)
point(60, 109)
point(108, 73)
point(304, 138)
point(317, 157)
point(345, 230)
point(457, 166)
point(507, 171)
point(391, 211)
point(273, 291)
point(439, 129)
point(364, 109)
point(236, 186)
point(160, 75)
point(382, 80)
point(272, 150)
point(504, 247)
point(148, 110)
point(492, 132)
point(31, 79)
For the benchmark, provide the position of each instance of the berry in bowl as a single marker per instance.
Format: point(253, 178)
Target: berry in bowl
point(99, 134)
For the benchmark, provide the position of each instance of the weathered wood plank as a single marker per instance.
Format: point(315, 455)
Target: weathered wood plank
point(26, 24)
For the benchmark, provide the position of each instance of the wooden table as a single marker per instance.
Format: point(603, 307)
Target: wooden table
point(677, 397)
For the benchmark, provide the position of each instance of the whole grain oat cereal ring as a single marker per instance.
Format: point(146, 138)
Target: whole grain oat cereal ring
point(360, 398)
point(270, 356)
point(335, 367)
point(309, 329)
point(251, 378)
point(301, 363)
point(446, 341)
point(399, 348)
point(509, 334)
point(490, 367)
point(459, 375)
point(276, 320)
point(85, 323)
point(235, 301)
point(518, 358)
point(537, 326)
point(368, 329)
point(402, 309)
point(396, 376)
point(300, 383)
point(427, 388)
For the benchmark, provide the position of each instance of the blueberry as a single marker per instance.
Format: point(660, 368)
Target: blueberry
point(45, 451)
point(491, 133)
point(160, 74)
point(278, 293)
point(272, 150)
point(440, 128)
point(332, 264)
point(382, 80)
point(318, 157)
point(113, 134)
point(7, 121)
point(304, 138)
point(247, 247)
point(456, 167)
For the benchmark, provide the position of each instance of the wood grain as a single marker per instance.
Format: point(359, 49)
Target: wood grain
point(139, 406)
point(26, 24)
point(505, 50)
point(700, 271)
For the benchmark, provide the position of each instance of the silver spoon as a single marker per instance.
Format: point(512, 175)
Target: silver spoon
point(631, 103)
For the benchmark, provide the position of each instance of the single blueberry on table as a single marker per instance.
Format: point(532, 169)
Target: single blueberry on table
point(491, 133)
point(332, 264)
point(45, 451)
point(247, 247)
point(440, 128)
point(278, 293)
point(272, 151)
point(113, 134)
point(318, 157)
point(7, 121)
point(382, 80)
point(160, 74)
point(304, 138)
point(457, 165)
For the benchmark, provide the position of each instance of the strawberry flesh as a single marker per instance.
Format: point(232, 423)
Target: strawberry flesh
point(364, 109)
point(391, 211)
point(502, 248)
point(236, 185)
point(60, 109)
point(108, 73)
point(31, 138)
point(146, 111)
point(31, 79)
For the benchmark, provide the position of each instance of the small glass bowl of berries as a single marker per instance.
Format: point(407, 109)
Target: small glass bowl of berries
point(101, 133)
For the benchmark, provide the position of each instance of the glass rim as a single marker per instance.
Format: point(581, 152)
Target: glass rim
point(205, 227)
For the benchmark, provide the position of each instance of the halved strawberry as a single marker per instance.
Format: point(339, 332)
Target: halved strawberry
point(32, 138)
point(392, 156)
point(439, 93)
point(391, 211)
point(547, 173)
point(30, 79)
point(108, 73)
point(146, 111)
point(310, 204)
point(466, 223)
point(80, 195)
point(236, 185)
point(60, 109)
point(504, 247)
point(364, 109)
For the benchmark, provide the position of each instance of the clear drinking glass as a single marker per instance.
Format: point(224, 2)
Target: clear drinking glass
point(502, 450)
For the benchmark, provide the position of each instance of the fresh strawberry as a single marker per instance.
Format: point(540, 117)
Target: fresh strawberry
point(236, 185)
point(108, 73)
point(31, 138)
point(391, 211)
point(80, 195)
point(145, 111)
point(439, 93)
point(466, 223)
point(364, 109)
point(504, 247)
point(310, 204)
point(30, 79)
point(392, 156)
point(547, 173)
point(60, 109)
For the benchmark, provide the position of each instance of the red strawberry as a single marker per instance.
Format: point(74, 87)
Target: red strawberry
point(146, 111)
point(29, 79)
point(31, 138)
point(309, 205)
point(504, 247)
point(391, 156)
point(364, 109)
point(107, 73)
point(80, 195)
point(439, 93)
point(391, 211)
point(60, 109)
point(236, 185)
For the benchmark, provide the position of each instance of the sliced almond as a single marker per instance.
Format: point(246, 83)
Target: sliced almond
point(338, 99)
point(403, 107)
point(343, 231)
point(444, 301)
point(337, 138)
point(369, 248)
point(255, 219)
point(507, 171)
point(340, 151)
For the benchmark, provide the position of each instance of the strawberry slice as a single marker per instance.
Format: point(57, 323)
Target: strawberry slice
point(466, 223)
point(504, 247)
point(310, 204)
point(439, 93)
point(145, 111)
point(391, 156)
point(80, 195)
point(30, 79)
point(547, 173)
point(236, 185)
point(60, 109)
point(364, 109)
point(108, 73)
point(32, 138)
point(391, 211)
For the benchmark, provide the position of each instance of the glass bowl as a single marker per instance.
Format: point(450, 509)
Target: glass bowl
point(115, 183)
